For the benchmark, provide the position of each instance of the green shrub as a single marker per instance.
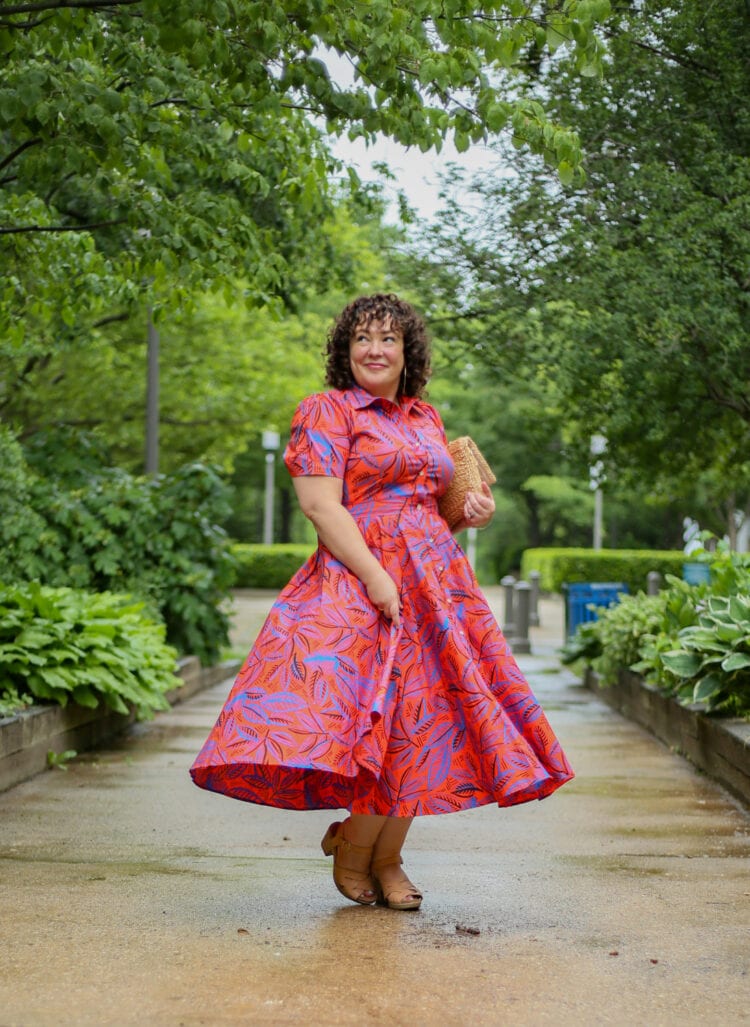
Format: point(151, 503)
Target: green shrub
point(21, 527)
point(709, 661)
point(691, 641)
point(59, 645)
point(259, 566)
point(612, 642)
point(631, 566)
point(102, 529)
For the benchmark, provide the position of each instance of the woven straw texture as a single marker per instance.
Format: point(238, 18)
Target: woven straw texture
point(471, 469)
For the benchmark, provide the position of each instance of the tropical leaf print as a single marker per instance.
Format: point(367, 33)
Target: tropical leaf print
point(333, 707)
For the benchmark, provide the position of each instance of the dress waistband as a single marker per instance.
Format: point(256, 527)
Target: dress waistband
point(387, 509)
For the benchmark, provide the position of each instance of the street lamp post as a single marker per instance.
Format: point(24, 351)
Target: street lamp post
point(596, 477)
point(270, 443)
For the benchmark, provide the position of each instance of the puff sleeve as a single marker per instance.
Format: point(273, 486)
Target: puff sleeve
point(320, 438)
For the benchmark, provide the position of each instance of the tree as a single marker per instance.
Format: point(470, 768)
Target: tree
point(228, 372)
point(629, 294)
point(149, 151)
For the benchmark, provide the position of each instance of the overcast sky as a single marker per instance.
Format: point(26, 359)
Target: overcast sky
point(417, 173)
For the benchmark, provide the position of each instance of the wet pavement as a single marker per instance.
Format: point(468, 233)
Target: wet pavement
point(128, 896)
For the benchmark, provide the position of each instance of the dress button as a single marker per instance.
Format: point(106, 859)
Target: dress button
point(419, 506)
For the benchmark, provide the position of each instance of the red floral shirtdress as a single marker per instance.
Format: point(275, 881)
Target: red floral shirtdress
point(334, 707)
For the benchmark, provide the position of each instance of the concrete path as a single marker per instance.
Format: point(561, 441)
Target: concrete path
point(130, 897)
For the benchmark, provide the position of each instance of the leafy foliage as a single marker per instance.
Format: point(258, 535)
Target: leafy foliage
point(627, 296)
point(712, 660)
point(612, 642)
point(12, 701)
point(158, 538)
point(151, 151)
point(60, 645)
point(59, 760)
point(226, 372)
point(692, 641)
point(21, 527)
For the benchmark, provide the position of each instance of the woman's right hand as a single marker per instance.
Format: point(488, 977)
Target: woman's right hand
point(320, 499)
point(383, 594)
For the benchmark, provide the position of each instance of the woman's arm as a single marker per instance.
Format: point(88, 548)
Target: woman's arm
point(320, 499)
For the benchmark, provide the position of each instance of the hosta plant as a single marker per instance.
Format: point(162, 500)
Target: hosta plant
point(710, 662)
point(59, 645)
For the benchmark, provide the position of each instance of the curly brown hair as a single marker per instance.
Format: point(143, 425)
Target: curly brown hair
point(379, 307)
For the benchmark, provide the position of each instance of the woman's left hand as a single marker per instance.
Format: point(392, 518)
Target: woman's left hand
point(479, 508)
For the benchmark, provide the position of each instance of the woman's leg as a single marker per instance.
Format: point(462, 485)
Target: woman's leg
point(397, 889)
point(391, 836)
point(363, 829)
point(351, 845)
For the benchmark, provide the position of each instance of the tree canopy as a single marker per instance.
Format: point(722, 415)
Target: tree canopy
point(149, 151)
point(629, 293)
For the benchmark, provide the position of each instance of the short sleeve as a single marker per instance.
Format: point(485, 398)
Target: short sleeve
point(320, 438)
point(437, 421)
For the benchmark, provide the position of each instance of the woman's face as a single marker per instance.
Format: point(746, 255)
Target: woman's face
point(376, 355)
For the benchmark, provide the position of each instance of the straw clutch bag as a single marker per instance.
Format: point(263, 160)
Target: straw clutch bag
point(471, 469)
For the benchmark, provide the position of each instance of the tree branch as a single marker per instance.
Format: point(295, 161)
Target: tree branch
point(57, 186)
point(53, 5)
point(17, 152)
point(739, 405)
point(111, 319)
point(686, 62)
point(27, 229)
point(176, 100)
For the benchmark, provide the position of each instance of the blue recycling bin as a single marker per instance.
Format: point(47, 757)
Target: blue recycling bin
point(695, 573)
point(581, 596)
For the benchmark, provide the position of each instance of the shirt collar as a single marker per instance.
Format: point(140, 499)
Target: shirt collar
point(360, 398)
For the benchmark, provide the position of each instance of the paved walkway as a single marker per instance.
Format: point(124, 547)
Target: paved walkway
point(130, 897)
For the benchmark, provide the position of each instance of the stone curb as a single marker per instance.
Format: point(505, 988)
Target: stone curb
point(720, 746)
point(27, 737)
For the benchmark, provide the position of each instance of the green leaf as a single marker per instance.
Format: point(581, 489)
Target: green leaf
point(556, 38)
point(462, 141)
point(707, 687)
point(737, 661)
point(497, 116)
point(566, 172)
point(685, 665)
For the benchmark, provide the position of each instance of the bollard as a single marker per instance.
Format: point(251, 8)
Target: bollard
point(534, 577)
point(508, 582)
point(654, 583)
point(521, 603)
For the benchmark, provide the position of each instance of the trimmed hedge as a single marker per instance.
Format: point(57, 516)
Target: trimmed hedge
point(632, 566)
point(260, 566)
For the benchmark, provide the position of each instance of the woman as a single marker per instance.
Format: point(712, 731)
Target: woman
point(380, 681)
